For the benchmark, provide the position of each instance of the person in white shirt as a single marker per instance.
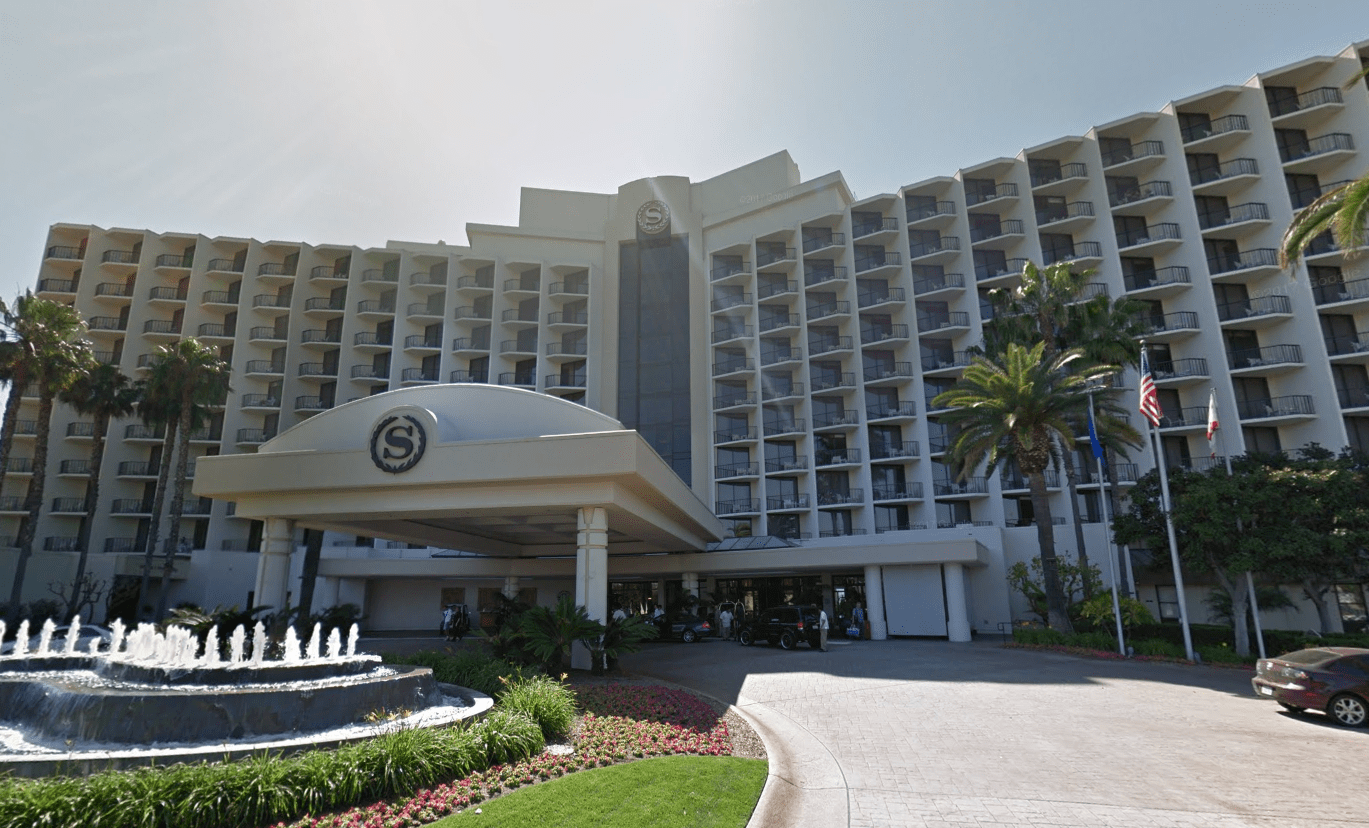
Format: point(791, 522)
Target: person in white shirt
point(725, 622)
point(619, 614)
point(822, 630)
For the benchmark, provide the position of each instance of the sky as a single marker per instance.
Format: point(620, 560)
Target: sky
point(349, 122)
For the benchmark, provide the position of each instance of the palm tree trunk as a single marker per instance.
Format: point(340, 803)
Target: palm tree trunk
point(313, 549)
point(1072, 484)
point(33, 503)
point(1125, 587)
point(97, 456)
point(9, 424)
point(173, 535)
point(163, 474)
point(1057, 612)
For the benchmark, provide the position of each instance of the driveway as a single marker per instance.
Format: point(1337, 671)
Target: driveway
point(928, 733)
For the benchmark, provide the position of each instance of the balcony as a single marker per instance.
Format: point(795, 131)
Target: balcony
point(514, 346)
point(832, 382)
point(841, 419)
point(1306, 109)
point(906, 450)
point(311, 403)
point(1019, 482)
point(901, 410)
point(1149, 240)
point(1170, 325)
point(570, 287)
point(22, 465)
point(70, 468)
point(727, 270)
point(789, 390)
point(1156, 283)
point(468, 312)
point(787, 503)
point(324, 306)
point(56, 286)
point(1082, 254)
point(258, 401)
point(318, 336)
point(418, 375)
point(1256, 312)
point(1180, 372)
point(826, 458)
point(254, 436)
point(223, 266)
point(214, 330)
point(887, 334)
point(1049, 182)
point(829, 345)
point(896, 372)
point(1065, 218)
point(426, 280)
point(772, 322)
point(382, 277)
point(769, 290)
point(61, 544)
point(264, 368)
point(1356, 347)
point(328, 273)
point(1342, 295)
point(422, 342)
point(276, 269)
point(370, 372)
point(1320, 153)
point(986, 274)
point(375, 308)
point(223, 298)
point(166, 294)
point(461, 375)
point(131, 506)
point(872, 227)
point(1235, 222)
point(734, 435)
point(136, 468)
point(1003, 234)
point(969, 487)
point(823, 241)
point(774, 257)
point(780, 428)
point(1135, 157)
point(730, 300)
point(558, 351)
point(518, 379)
point(878, 261)
point(68, 506)
point(266, 334)
point(1285, 409)
point(985, 197)
point(317, 369)
point(526, 287)
point(737, 507)
point(880, 298)
point(1269, 359)
point(162, 328)
point(75, 254)
point(734, 470)
point(1246, 265)
point(725, 401)
point(934, 286)
point(823, 310)
point(786, 465)
point(952, 321)
point(946, 362)
point(1224, 178)
point(944, 248)
point(80, 430)
point(119, 257)
point(25, 428)
point(849, 497)
point(1142, 200)
point(1217, 134)
point(922, 215)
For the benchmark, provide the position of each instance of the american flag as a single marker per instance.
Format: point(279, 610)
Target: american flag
point(1150, 400)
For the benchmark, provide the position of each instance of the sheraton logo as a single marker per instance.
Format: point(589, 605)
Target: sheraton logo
point(398, 442)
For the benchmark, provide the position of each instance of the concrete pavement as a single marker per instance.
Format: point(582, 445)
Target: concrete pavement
point(928, 733)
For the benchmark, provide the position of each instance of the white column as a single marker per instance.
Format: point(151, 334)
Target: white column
point(874, 606)
point(691, 583)
point(273, 565)
point(510, 587)
point(591, 572)
point(326, 593)
point(958, 622)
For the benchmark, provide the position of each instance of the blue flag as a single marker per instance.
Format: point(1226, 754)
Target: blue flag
point(1093, 437)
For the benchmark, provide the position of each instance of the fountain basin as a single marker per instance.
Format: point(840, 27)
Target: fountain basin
point(226, 675)
point(63, 708)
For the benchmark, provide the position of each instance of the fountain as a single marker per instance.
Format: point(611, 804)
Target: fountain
point(156, 696)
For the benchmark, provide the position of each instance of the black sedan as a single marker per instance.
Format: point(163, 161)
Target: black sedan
point(682, 627)
point(1333, 679)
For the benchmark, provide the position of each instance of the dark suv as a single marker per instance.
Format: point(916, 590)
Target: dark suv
point(786, 626)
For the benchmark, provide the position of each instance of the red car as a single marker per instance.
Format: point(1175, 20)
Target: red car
point(1333, 679)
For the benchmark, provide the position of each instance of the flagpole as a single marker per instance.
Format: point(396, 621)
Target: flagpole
point(1107, 527)
point(1154, 433)
point(1249, 576)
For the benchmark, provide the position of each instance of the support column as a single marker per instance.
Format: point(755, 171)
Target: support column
point(874, 606)
point(958, 620)
point(691, 583)
point(591, 572)
point(510, 589)
point(273, 566)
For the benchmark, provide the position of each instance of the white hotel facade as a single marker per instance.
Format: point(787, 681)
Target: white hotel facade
point(776, 340)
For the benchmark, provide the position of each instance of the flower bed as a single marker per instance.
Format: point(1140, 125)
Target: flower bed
point(621, 723)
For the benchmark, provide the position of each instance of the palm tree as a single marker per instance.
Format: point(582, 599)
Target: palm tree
point(1014, 409)
point(1051, 306)
point(105, 394)
point(157, 408)
point(194, 376)
point(1344, 212)
point(43, 343)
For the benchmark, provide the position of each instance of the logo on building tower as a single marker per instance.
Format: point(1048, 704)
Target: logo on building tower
point(653, 217)
point(398, 442)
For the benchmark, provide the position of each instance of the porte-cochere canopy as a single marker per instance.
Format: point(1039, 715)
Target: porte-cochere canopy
point(482, 468)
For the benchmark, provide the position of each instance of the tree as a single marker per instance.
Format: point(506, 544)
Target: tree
point(1051, 305)
point(157, 409)
point(1015, 410)
point(550, 633)
point(104, 393)
point(195, 377)
point(1343, 212)
point(43, 343)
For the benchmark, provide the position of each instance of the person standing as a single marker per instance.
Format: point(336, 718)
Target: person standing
point(725, 622)
point(858, 619)
point(822, 630)
point(448, 612)
point(619, 614)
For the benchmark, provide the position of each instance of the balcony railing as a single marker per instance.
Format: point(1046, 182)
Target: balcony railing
point(888, 258)
point(77, 467)
point(210, 297)
point(575, 288)
point(255, 435)
point(820, 310)
point(722, 270)
point(264, 366)
point(137, 468)
point(119, 290)
point(378, 275)
point(328, 272)
point(1180, 368)
point(1253, 211)
point(419, 375)
point(68, 504)
point(264, 332)
point(1307, 100)
point(276, 269)
point(1177, 321)
point(570, 317)
point(783, 502)
point(902, 408)
point(941, 245)
point(1007, 190)
point(772, 255)
point(911, 490)
point(80, 429)
point(422, 341)
point(214, 329)
point(1072, 170)
point(938, 321)
point(1063, 212)
point(779, 465)
point(1322, 144)
point(897, 370)
point(1150, 189)
point(1175, 275)
point(869, 227)
point(733, 400)
point(1144, 235)
point(836, 457)
point(369, 372)
point(1220, 126)
point(954, 359)
point(65, 252)
point(1006, 227)
point(735, 470)
point(461, 375)
point(468, 312)
point(167, 293)
point(894, 450)
point(527, 378)
point(320, 335)
point(57, 286)
point(1268, 355)
point(375, 306)
point(735, 507)
point(781, 390)
point(841, 498)
point(1243, 260)
point(1326, 293)
point(322, 303)
point(61, 544)
point(940, 208)
point(1257, 306)
point(1230, 169)
point(820, 242)
point(1142, 149)
point(1295, 405)
point(734, 435)
point(224, 266)
point(828, 382)
point(970, 485)
point(871, 298)
point(260, 401)
point(1010, 267)
point(935, 283)
point(1342, 345)
point(833, 419)
point(792, 425)
point(317, 369)
point(1078, 250)
point(162, 326)
point(309, 402)
point(138, 431)
point(426, 279)
point(119, 257)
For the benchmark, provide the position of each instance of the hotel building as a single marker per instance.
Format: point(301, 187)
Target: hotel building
point(777, 341)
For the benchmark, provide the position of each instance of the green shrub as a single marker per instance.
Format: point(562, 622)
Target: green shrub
point(1156, 647)
point(1093, 641)
point(1044, 635)
point(468, 668)
point(1222, 655)
point(544, 700)
point(508, 736)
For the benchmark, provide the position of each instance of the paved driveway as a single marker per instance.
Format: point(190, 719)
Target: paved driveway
point(912, 733)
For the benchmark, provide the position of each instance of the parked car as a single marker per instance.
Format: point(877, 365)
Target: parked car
point(1333, 679)
point(681, 626)
point(785, 626)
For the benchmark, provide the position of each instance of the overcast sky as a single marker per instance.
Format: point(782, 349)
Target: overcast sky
point(353, 122)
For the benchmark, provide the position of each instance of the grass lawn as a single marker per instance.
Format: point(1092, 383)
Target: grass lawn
point(669, 792)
